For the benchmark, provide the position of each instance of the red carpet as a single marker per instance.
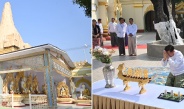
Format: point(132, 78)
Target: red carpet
point(141, 46)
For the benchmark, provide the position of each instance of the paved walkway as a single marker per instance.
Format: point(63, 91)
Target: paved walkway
point(141, 60)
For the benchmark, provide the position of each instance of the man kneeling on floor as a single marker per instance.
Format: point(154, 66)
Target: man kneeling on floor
point(175, 60)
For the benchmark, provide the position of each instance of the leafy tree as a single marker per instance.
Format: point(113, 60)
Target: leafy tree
point(86, 4)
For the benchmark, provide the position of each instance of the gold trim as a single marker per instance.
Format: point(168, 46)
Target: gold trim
point(105, 26)
point(133, 2)
point(83, 101)
point(179, 12)
point(180, 6)
point(81, 76)
point(103, 3)
point(82, 64)
point(117, 7)
point(149, 8)
point(59, 86)
point(83, 80)
point(138, 5)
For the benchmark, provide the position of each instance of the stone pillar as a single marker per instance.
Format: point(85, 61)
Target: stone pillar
point(94, 10)
point(102, 7)
point(110, 9)
point(51, 93)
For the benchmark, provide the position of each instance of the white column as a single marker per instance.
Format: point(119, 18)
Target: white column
point(138, 16)
point(102, 7)
point(95, 10)
point(110, 10)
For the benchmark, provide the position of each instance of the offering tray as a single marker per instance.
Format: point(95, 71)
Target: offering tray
point(169, 97)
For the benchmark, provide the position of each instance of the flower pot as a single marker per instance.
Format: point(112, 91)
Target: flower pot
point(109, 72)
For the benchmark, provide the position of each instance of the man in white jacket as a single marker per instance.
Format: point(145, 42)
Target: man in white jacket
point(112, 32)
point(120, 31)
point(175, 60)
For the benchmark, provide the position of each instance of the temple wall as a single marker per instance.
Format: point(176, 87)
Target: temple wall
point(129, 11)
point(40, 77)
point(135, 9)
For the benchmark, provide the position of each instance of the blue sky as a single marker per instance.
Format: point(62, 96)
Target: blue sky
point(58, 22)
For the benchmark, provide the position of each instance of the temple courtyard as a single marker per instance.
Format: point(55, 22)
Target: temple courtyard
point(140, 61)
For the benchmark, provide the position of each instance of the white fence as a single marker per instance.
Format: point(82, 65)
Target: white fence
point(29, 101)
point(32, 101)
